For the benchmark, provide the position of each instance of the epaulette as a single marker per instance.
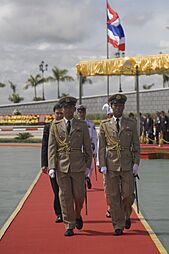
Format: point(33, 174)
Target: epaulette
point(57, 121)
point(106, 120)
point(80, 120)
point(130, 119)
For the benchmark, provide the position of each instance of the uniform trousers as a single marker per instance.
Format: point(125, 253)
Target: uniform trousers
point(55, 189)
point(71, 194)
point(119, 187)
point(92, 167)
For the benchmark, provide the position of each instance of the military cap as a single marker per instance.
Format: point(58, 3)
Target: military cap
point(67, 101)
point(81, 108)
point(117, 99)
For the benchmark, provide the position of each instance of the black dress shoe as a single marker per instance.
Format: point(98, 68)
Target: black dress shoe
point(79, 223)
point(69, 232)
point(88, 181)
point(59, 219)
point(128, 223)
point(118, 232)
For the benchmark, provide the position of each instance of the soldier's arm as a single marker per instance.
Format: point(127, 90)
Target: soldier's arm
point(136, 145)
point(94, 138)
point(52, 149)
point(102, 147)
point(44, 149)
point(87, 146)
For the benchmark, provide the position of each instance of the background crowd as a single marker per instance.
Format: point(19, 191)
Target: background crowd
point(154, 129)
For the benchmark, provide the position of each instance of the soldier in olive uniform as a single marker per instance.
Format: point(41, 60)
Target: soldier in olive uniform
point(70, 154)
point(119, 157)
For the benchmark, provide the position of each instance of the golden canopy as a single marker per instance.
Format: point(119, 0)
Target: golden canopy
point(146, 65)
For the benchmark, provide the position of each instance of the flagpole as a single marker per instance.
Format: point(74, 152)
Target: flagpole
point(107, 50)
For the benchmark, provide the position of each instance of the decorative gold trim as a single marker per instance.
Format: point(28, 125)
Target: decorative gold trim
point(63, 145)
point(115, 144)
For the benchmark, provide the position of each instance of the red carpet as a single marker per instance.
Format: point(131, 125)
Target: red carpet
point(34, 232)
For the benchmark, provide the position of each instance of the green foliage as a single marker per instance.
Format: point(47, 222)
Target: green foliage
point(148, 87)
point(59, 75)
point(2, 84)
point(38, 99)
point(33, 82)
point(14, 140)
point(165, 80)
point(15, 98)
point(24, 135)
point(64, 94)
point(96, 116)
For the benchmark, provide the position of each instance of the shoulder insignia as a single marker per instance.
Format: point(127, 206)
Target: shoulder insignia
point(106, 120)
point(57, 121)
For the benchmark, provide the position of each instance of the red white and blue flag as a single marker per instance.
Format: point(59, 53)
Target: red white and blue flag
point(115, 31)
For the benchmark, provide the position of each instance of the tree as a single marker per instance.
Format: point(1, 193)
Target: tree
point(85, 80)
point(33, 82)
point(64, 94)
point(2, 85)
point(14, 97)
point(82, 81)
point(59, 75)
point(147, 87)
point(165, 79)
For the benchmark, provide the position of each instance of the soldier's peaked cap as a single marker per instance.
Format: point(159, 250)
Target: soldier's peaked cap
point(67, 100)
point(81, 108)
point(117, 99)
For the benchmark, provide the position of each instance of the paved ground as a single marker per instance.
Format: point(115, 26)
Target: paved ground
point(19, 166)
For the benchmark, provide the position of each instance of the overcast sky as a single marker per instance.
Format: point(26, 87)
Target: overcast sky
point(63, 32)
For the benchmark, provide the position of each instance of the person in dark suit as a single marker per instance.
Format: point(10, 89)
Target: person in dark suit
point(165, 126)
point(149, 130)
point(58, 113)
point(157, 126)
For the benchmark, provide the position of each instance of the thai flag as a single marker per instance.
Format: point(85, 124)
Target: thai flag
point(115, 31)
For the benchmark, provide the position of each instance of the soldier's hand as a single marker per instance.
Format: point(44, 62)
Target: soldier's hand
point(44, 169)
point(93, 146)
point(135, 169)
point(51, 173)
point(87, 171)
point(103, 170)
point(94, 156)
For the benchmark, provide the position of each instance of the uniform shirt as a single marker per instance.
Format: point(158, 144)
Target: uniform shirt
point(65, 151)
point(119, 151)
point(66, 120)
point(119, 120)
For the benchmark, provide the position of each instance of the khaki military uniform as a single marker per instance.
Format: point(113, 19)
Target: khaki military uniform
point(118, 151)
point(70, 155)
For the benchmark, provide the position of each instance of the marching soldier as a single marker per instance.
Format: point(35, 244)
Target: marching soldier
point(109, 114)
point(81, 113)
point(119, 156)
point(70, 154)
